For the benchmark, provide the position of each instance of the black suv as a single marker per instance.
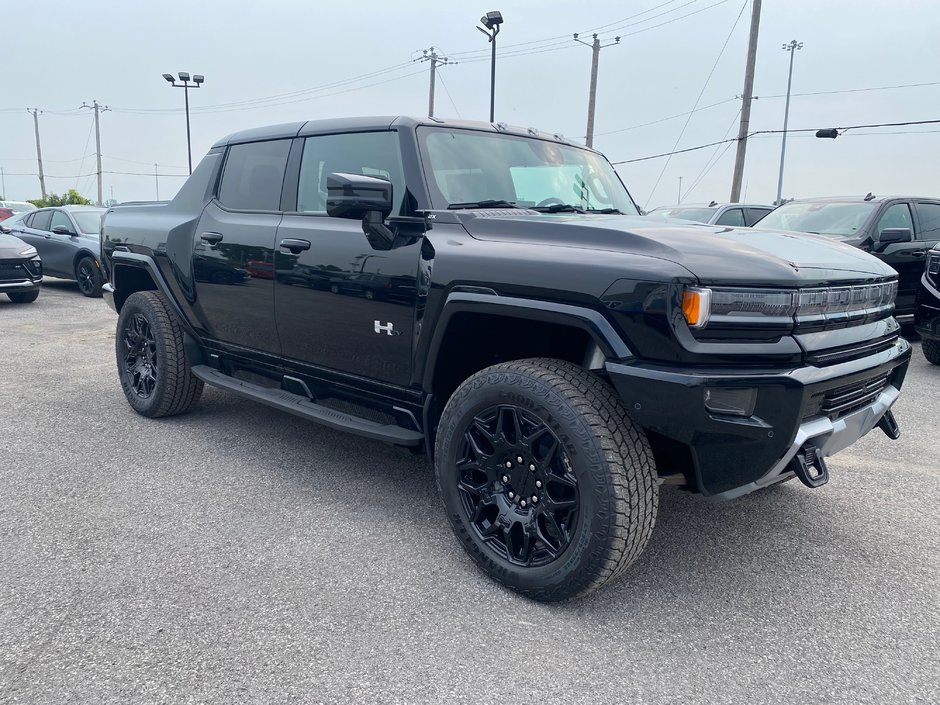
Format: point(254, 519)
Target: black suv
point(927, 316)
point(558, 356)
point(899, 230)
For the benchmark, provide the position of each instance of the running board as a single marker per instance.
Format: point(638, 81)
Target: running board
point(301, 406)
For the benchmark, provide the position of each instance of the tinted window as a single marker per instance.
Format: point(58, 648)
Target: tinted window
point(897, 216)
point(755, 214)
point(253, 175)
point(732, 216)
point(929, 220)
point(821, 217)
point(367, 153)
point(41, 220)
point(60, 218)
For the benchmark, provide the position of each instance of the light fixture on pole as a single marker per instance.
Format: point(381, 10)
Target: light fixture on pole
point(492, 21)
point(792, 47)
point(187, 82)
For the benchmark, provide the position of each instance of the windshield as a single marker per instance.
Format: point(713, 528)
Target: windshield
point(466, 166)
point(89, 222)
point(699, 215)
point(838, 219)
point(20, 207)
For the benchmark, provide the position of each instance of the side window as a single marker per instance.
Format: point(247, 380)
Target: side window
point(253, 175)
point(897, 216)
point(41, 220)
point(367, 153)
point(60, 218)
point(755, 214)
point(732, 216)
point(929, 220)
point(28, 220)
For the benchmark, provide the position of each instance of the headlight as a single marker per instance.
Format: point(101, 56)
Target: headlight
point(779, 306)
point(28, 252)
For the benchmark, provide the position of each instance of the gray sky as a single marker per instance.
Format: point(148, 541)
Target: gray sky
point(58, 54)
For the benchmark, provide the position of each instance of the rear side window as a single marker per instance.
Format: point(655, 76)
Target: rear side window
point(253, 176)
point(41, 220)
point(929, 220)
point(732, 216)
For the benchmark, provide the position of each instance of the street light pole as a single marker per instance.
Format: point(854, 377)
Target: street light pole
point(492, 21)
point(792, 47)
point(197, 81)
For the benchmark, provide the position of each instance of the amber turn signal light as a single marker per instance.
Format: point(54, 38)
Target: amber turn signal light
point(696, 306)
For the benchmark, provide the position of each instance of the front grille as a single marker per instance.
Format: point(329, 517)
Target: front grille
point(832, 356)
point(841, 401)
point(13, 271)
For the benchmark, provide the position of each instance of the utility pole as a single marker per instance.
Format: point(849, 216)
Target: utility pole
point(98, 108)
point(596, 47)
point(156, 180)
point(792, 47)
point(3, 184)
point(435, 60)
point(42, 179)
point(746, 99)
point(680, 191)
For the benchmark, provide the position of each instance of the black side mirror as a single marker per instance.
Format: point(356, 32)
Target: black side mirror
point(62, 230)
point(891, 235)
point(355, 195)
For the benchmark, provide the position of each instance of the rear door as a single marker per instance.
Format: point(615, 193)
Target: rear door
point(36, 230)
point(233, 248)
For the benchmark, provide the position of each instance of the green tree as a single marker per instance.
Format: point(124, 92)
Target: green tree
point(70, 198)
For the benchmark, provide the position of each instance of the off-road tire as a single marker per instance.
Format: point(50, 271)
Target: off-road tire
point(609, 455)
point(88, 276)
point(931, 350)
point(175, 388)
point(23, 297)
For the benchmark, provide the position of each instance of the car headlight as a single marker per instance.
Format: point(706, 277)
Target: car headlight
point(28, 252)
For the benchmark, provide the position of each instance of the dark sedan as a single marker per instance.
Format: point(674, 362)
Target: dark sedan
point(67, 240)
point(20, 270)
point(899, 230)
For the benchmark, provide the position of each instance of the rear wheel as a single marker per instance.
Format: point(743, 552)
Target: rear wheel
point(151, 359)
point(548, 484)
point(931, 350)
point(23, 297)
point(88, 276)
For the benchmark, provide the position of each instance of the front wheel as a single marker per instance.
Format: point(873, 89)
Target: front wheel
point(88, 276)
point(931, 350)
point(548, 484)
point(151, 358)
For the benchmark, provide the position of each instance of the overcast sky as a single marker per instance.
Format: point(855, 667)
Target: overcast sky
point(58, 54)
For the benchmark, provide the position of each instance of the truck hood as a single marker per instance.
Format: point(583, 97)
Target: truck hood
point(10, 247)
point(713, 253)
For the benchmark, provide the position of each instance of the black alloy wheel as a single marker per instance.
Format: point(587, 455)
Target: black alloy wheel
point(88, 278)
point(140, 359)
point(518, 489)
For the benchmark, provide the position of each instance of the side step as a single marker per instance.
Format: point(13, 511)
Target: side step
point(301, 406)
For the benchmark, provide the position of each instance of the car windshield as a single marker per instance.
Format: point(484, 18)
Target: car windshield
point(468, 166)
point(699, 215)
point(18, 207)
point(829, 218)
point(89, 222)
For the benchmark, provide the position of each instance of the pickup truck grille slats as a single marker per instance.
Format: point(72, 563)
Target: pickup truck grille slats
point(832, 356)
point(852, 397)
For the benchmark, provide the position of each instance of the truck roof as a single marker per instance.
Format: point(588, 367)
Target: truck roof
point(311, 127)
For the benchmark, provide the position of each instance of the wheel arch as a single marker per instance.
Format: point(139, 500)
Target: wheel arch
point(81, 253)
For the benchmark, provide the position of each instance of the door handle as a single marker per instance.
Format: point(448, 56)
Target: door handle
point(295, 246)
point(918, 253)
point(211, 238)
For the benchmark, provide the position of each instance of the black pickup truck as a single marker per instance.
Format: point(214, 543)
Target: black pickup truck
point(488, 295)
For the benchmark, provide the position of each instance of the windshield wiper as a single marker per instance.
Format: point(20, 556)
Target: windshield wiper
point(489, 203)
point(558, 208)
point(606, 211)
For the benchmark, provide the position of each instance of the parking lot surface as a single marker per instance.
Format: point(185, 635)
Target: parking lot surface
point(239, 554)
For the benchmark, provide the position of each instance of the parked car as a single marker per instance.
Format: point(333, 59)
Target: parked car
point(898, 230)
point(730, 214)
point(6, 213)
point(18, 206)
point(67, 240)
point(927, 314)
point(20, 270)
point(561, 356)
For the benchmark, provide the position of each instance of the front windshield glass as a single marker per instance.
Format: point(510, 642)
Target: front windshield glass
point(89, 222)
point(838, 219)
point(699, 215)
point(466, 166)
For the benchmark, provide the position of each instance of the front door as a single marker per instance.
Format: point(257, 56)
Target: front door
point(906, 258)
point(233, 248)
point(341, 304)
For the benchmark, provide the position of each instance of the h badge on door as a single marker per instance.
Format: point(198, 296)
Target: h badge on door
point(387, 328)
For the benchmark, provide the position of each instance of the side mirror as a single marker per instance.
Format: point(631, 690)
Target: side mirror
point(891, 235)
point(5, 230)
point(62, 230)
point(355, 196)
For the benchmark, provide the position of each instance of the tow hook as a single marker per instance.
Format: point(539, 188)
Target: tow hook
point(810, 467)
point(889, 425)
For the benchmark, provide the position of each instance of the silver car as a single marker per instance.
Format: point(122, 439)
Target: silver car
point(67, 239)
point(731, 214)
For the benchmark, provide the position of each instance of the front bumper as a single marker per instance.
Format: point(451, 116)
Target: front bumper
point(22, 285)
point(733, 455)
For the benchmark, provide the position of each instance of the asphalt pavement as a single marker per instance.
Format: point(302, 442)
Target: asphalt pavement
point(237, 555)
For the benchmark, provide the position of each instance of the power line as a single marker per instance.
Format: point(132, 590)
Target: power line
point(449, 97)
point(714, 158)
